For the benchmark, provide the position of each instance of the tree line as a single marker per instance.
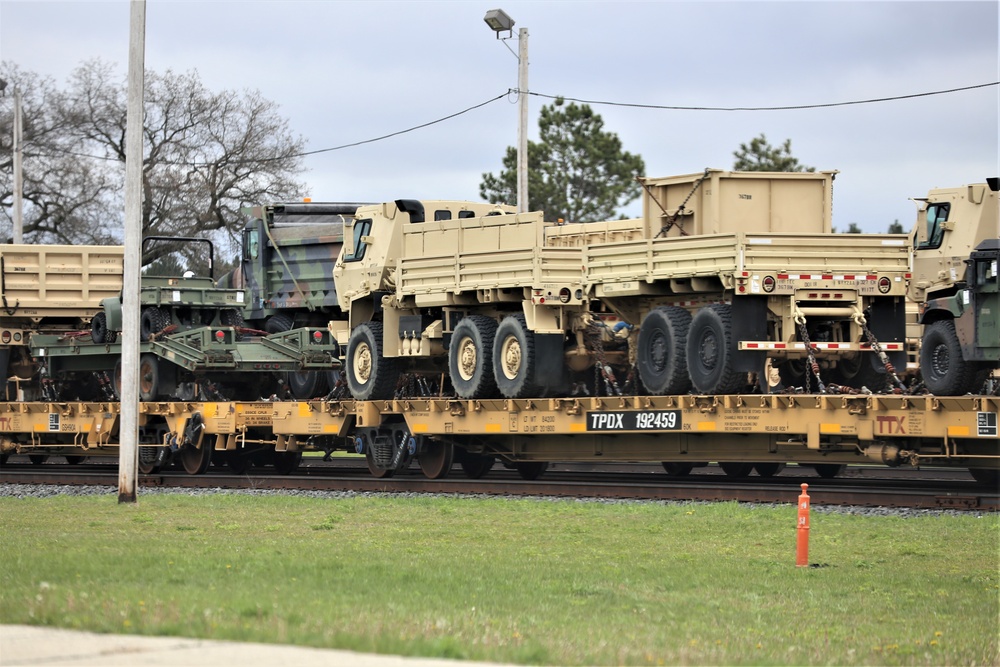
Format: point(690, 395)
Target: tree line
point(207, 154)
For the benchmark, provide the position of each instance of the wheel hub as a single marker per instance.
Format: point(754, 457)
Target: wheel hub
point(511, 356)
point(363, 363)
point(467, 358)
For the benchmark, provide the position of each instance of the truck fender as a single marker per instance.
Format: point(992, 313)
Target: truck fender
point(112, 307)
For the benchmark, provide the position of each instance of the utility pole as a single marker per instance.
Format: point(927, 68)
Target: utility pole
point(522, 125)
point(128, 431)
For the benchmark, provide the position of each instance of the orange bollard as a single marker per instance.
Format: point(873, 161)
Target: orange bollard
point(802, 550)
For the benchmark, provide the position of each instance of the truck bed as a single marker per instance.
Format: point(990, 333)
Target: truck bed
point(57, 281)
point(444, 259)
point(727, 256)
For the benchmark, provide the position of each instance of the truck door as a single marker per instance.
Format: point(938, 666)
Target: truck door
point(985, 294)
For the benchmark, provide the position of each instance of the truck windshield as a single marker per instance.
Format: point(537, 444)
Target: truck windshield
point(936, 214)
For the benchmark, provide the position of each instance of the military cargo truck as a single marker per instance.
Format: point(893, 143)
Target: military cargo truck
point(503, 299)
point(956, 249)
point(430, 285)
point(729, 273)
point(286, 268)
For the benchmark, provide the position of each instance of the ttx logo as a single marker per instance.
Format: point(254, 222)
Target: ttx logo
point(888, 425)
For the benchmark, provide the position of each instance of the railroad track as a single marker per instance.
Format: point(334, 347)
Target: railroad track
point(865, 487)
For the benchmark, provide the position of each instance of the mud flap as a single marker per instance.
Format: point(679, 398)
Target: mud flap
point(887, 322)
point(749, 322)
point(550, 369)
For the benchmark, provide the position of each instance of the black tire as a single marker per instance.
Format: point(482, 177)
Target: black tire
point(370, 375)
point(303, 384)
point(860, 372)
point(278, 323)
point(514, 358)
point(152, 321)
point(709, 352)
point(99, 332)
point(944, 371)
point(231, 317)
point(470, 357)
point(149, 378)
point(661, 357)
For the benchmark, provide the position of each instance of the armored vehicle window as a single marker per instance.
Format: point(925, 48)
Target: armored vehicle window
point(466, 214)
point(442, 215)
point(987, 278)
point(936, 214)
point(251, 243)
point(361, 228)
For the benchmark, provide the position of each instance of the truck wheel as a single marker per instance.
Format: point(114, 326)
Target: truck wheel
point(303, 384)
point(470, 357)
point(149, 378)
point(709, 357)
point(860, 372)
point(514, 358)
point(99, 332)
point(371, 376)
point(231, 317)
point(661, 353)
point(944, 371)
point(151, 321)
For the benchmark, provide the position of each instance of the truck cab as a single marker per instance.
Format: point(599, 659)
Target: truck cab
point(954, 284)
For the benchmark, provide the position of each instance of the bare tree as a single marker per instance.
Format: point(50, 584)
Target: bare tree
point(206, 154)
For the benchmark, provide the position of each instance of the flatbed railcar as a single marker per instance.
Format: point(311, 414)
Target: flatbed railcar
point(810, 429)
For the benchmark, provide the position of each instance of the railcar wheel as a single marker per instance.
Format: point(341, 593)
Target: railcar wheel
point(829, 470)
point(435, 458)
point(678, 469)
point(195, 460)
point(38, 459)
point(152, 321)
point(736, 469)
point(238, 462)
point(531, 470)
point(661, 354)
point(944, 371)
point(75, 460)
point(380, 473)
point(149, 378)
point(986, 476)
point(514, 358)
point(151, 459)
point(285, 463)
point(709, 353)
point(370, 375)
point(470, 357)
point(768, 469)
point(475, 466)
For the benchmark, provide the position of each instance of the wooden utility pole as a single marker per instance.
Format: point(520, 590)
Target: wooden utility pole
point(128, 449)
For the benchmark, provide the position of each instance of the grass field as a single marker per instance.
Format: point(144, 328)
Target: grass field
point(510, 580)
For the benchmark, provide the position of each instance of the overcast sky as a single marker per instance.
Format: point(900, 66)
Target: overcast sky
point(347, 71)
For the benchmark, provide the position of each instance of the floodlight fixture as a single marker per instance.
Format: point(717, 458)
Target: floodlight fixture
point(499, 22)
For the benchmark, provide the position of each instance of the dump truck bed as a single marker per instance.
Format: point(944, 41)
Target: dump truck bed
point(39, 281)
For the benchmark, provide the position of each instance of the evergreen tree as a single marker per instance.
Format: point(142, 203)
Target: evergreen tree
point(759, 155)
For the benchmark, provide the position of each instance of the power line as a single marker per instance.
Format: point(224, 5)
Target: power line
point(784, 108)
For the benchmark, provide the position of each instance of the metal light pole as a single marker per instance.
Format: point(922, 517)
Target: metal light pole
point(499, 21)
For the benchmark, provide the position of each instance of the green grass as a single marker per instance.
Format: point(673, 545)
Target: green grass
point(507, 580)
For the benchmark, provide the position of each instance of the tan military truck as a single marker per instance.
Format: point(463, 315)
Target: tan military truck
point(463, 286)
point(730, 273)
point(955, 288)
point(51, 288)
